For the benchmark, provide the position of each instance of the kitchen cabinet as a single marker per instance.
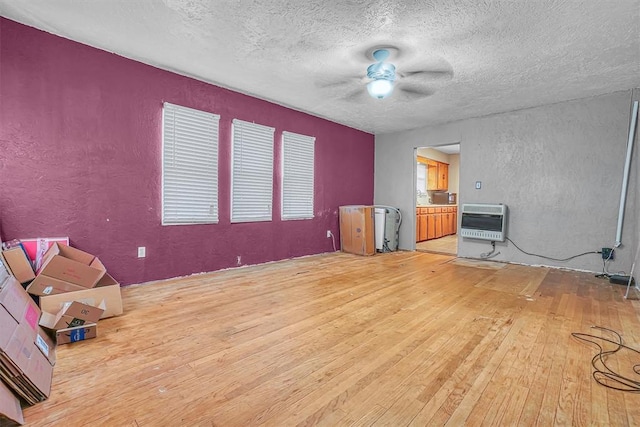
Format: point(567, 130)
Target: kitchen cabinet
point(446, 224)
point(421, 224)
point(436, 222)
point(443, 176)
point(450, 221)
point(431, 225)
point(437, 176)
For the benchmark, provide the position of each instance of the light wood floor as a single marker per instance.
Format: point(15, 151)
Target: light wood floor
point(445, 245)
point(395, 339)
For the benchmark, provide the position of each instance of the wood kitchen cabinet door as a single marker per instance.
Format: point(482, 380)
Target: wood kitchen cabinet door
point(423, 226)
point(431, 226)
point(432, 175)
point(438, 225)
point(443, 176)
point(437, 176)
point(446, 224)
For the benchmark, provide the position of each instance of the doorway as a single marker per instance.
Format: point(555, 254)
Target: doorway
point(436, 201)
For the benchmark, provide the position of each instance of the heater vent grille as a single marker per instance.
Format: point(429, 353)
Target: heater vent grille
point(484, 221)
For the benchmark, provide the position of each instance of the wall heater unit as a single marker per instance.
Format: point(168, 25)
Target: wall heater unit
point(484, 221)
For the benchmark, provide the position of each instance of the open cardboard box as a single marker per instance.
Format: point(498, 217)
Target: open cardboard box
point(16, 260)
point(72, 314)
point(78, 333)
point(71, 265)
point(74, 322)
point(105, 295)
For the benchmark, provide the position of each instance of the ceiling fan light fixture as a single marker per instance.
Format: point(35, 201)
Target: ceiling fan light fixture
point(380, 88)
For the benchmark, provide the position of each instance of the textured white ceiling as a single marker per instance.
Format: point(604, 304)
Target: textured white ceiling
point(487, 56)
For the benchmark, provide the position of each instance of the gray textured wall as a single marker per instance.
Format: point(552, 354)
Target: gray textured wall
point(558, 168)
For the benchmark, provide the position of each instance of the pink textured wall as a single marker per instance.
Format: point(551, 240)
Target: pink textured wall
point(80, 139)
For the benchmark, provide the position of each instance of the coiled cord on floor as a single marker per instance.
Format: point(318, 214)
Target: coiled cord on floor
point(602, 373)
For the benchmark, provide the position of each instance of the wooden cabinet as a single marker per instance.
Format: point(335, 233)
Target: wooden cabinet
point(436, 222)
point(443, 176)
point(437, 176)
point(431, 226)
point(357, 230)
point(446, 224)
point(450, 221)
point(421, 224)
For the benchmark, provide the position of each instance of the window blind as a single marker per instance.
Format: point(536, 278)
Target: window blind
point(189, 166)
point(297, 176)
point(251, 172)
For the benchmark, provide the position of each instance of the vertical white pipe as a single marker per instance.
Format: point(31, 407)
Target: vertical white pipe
point(625, 178)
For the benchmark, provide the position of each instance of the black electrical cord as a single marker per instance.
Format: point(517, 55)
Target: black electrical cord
point(550, 258)
point(606, 376)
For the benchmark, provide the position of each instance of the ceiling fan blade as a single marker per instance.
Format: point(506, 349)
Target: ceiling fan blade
point(356, 95)
point(346, 81)
point(412, 92)
point(443, 75)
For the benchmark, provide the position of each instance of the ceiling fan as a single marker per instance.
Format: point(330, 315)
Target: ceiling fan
point(383, 77)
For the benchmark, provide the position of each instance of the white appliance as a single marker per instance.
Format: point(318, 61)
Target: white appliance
point(387, 225)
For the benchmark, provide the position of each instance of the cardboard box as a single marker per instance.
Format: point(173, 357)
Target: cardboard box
point(44, 285)
point(72, 314)
point(16, 260)
point(19, 305)
point(23, 366)
point(71, 265)
point(105, 295)
point(10, 410)
point(79, 333)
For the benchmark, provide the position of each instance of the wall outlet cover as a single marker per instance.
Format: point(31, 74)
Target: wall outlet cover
point(607, 254)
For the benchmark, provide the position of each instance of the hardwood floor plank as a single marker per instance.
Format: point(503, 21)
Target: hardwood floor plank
point(403, 338)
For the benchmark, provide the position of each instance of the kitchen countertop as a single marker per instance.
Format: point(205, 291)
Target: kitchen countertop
point(437, 206)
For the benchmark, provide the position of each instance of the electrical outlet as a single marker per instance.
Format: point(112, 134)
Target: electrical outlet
point(607, 254)
point(142, 251)
point(328, 233)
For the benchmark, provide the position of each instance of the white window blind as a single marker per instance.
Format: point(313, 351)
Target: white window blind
point(297, 176)
point(189, 166)
point(251, 172)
